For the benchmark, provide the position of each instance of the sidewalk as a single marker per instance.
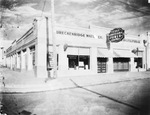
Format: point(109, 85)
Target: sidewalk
point(23, 82)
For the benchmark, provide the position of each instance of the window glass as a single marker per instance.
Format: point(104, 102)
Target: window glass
point(73, 61)
point(84, 62)
point(138, 62)
point(78, 58)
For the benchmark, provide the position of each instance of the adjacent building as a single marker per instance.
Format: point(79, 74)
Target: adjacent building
point(80, 51)
point(4, 44)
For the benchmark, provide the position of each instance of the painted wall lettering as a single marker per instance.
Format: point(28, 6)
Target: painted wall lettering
point(77, 34)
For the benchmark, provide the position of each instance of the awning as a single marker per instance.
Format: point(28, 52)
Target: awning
point(104, 53)
point(123, 53)
point(78, 51)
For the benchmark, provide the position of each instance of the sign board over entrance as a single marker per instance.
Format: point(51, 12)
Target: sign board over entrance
point(116, 35)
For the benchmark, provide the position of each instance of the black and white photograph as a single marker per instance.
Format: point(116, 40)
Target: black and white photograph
point(74, 57)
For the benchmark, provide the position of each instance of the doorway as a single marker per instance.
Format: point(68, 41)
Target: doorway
point(101, 65)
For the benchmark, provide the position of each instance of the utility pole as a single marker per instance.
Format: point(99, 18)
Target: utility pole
point(147, 51)
point(53, 40)
point(146, 45)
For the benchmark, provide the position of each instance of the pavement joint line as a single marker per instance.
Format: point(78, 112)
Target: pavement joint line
point(108, 97)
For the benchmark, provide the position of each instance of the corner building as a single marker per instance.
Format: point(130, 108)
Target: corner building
point(80, 51)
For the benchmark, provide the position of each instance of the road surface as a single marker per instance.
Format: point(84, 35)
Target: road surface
point(123, 98)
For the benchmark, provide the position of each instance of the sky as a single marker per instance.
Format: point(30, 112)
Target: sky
point(131, 15)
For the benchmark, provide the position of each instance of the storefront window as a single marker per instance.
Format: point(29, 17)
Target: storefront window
point(84, 62)
point(79, 58)
point(78, 62)
point(73, 61)
point(121, 64)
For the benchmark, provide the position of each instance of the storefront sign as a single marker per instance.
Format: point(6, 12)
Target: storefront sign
point(131, 40)
point(116, 35)
point(77, 34)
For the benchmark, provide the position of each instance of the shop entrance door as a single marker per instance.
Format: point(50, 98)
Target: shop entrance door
point(101, 65)
point(139, 63)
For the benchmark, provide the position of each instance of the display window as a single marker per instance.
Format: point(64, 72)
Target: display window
point(121, 64)
point(78, 62)
point(73, 61)
point(78, 58)
point(84, 62)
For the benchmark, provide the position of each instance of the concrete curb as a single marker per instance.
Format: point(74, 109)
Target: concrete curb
point(57, 85)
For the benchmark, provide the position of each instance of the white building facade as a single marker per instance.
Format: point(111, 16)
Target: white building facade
point(80, 51)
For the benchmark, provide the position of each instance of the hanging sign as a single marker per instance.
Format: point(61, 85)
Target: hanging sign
point(116, 35)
